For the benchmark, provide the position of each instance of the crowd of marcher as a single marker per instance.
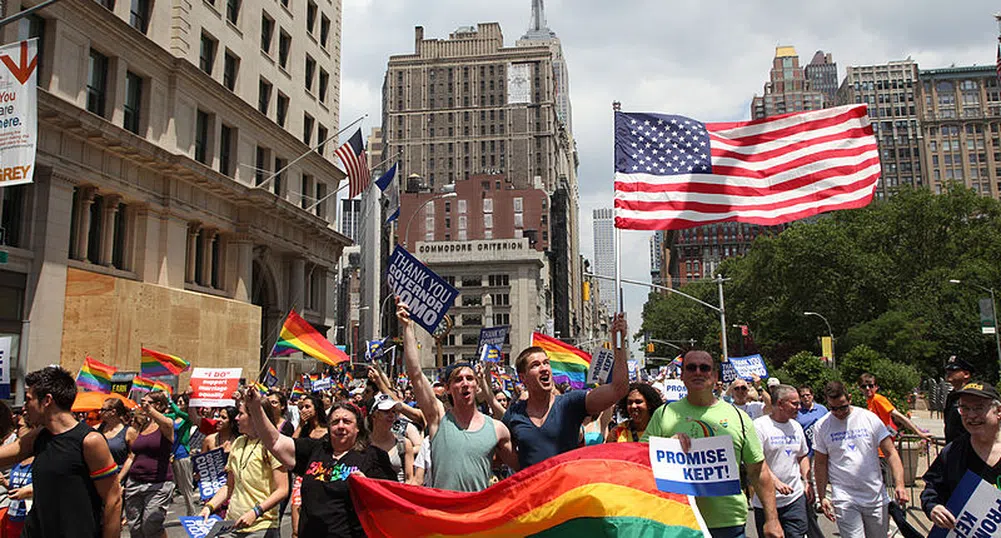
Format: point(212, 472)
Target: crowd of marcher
point(120, 469)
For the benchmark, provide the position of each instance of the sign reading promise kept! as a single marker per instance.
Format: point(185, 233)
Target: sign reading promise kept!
point(708, 469)
point(427, 294)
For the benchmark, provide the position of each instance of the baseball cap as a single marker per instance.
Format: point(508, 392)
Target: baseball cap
point(978, 388)
point(383, 402)
point(956, 363)
point(452, 368)
point(772, 381)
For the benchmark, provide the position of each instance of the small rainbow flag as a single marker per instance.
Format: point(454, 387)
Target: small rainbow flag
point(95, 376)
point(156, 364)
point(298, 391)
point(270, 377)
point(569, 364)
point(143, 384)
point(298, 334)
point(260, 388)
point(600, 490)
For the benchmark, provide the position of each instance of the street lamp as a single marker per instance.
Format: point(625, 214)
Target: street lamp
point(406, 231)
point(994, 310)
point(829, 331)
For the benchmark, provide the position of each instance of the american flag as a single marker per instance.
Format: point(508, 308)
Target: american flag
point(673, 172)
point(997, 63)
point(352, 155)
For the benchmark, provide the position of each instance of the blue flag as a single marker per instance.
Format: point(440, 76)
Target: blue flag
point(391, 192)
point(374, 349)
point(490, 353)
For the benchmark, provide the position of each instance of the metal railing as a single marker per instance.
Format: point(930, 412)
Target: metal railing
point(916, 455)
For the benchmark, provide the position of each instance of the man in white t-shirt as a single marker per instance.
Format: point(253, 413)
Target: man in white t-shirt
point(739, 390)
point(846, 444)
point(786, 452)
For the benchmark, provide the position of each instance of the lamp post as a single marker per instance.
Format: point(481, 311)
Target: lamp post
point(406, 230)
point(829, 331)
point(994, 309)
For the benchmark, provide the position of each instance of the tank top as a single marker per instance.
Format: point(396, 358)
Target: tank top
point(66, 501)
point(119, 447)
point(470, 453)
point(152, 461)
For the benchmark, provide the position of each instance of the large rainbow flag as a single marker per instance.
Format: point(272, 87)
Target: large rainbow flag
point(569, 364)
point(298, 334)
point(142, 384)
point(156, 364)
point(95, 376)
point(600, 490)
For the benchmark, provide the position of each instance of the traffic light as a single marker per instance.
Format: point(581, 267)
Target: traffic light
point(607, 345)
point(649, 347)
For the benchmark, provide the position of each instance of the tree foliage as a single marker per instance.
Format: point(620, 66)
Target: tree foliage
point(880, 275)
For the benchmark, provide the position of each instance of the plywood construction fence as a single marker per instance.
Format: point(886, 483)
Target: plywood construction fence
point(111, 318)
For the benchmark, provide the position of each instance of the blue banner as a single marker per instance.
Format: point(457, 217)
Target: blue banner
point(196, 527)
point(322, 384)
point(750, 366)
point(490, 353)
point(427, 294)
point(211, 469)
point(494, 336)
point(728, 372)
point(976, 505)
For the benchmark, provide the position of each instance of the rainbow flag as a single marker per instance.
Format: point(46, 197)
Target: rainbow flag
point(600, 490)
point(143, 384)
point(95, 376)
point(298, 391)
point(156, 364)
point(261, 388)
point(569, 364)
point(298, 334)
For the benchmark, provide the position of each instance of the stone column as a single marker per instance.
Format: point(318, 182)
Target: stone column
point(242, 249)
point(207, 239)
point(189, 268)
point(85, 200)
point(108, 238)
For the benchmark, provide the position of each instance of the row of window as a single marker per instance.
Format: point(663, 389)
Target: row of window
point(97, 92)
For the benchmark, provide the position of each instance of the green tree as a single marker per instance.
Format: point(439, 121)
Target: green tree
point(805, 368)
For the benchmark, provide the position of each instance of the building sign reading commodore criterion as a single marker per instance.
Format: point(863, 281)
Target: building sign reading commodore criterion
point(472, 246)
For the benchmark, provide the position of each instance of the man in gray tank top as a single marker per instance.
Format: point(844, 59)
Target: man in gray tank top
point(463, 440)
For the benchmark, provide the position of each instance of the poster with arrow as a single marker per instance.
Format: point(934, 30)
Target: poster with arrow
point(18, 112)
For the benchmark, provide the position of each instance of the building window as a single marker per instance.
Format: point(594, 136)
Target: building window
point(97, 83)
point(321, 138)
point(263, 96)
point(12, 216)
point(324, 84)
point(133, 101)
point(321, 204)
point(267, 33)
point(306, 189)
point(324, 31)
point(227, 139)
point(139, 15)
point(232, 10)
point(282, 110)
point(310, 73)
point(311, 18)
point(96, 229)
point(260, 165)
point(307, 130)
point(201, 137)
point(108, 4)
point(284, 46)
point(206, 58)
point(278, 184)
point(231, 67)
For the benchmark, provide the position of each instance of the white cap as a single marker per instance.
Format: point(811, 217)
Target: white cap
point(772, 381)
point(383, 402)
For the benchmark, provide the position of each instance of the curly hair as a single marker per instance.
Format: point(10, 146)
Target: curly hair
point(650, 394)
point(54, 381)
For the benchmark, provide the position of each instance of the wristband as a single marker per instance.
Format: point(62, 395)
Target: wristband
point(210, 507)
point(258, 511)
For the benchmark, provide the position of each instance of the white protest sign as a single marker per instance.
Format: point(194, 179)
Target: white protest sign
point(211, 469)
point(600, 371)
point(976, 504)
point(708, 469)
point(674, 390)
point(634, 367)
point(323, 383)
point(750, 366)
point(18, 112)
point(214, 387)
point(5, 345)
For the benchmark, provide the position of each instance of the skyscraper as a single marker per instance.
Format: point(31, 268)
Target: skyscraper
point(822, 75)
point(787, 89)
point(604, 248)
point(889, 90)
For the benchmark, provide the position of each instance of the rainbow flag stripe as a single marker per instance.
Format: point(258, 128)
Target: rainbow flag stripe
point(141, 384)
point(95, 376)
point(298, 391)
point(155, 364)
point(569, 364)
point(299, 335)
point(601, 490)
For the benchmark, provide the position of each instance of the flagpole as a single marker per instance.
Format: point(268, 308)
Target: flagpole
point(277, 173)
point(341, 188)
point(616, 107)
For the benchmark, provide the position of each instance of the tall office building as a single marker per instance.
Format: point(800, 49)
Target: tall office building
point(604, 248)
point(787, 89)
point(470, 106)
point(539, 33)
point(350, 218)
point(960, 114)
point(889, 90)
point(822, 75)
point(659, 258)
point(148, 222)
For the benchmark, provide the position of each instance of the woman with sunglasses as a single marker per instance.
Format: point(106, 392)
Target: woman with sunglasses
point(120, 435)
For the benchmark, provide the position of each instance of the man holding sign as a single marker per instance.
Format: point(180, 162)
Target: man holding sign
point(701, 414)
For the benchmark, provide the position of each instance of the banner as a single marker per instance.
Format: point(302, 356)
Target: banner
point(749, 366)
point(121, 382)
point(987, 316)
point(519, 83)
point(196, 527)
point(708, 469)
point(6, 343)
point(634, 367)
point(494, 336)
point(18, 112)
point(211, 469)
point(322, 384)
point(427, 294)
point(728, 374)
point(976, 504)
point(602, 361)
point(490, 353)
point(827, 347)
point(674, 390)
point(214, 387)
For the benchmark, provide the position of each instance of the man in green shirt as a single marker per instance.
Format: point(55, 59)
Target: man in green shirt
point(701, 414)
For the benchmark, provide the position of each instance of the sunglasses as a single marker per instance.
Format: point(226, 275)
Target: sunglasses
point(741, 389)
point(840, 407)
point(867, 386)
point(704, 368)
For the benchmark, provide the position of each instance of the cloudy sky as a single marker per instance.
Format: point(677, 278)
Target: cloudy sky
point(701, 58)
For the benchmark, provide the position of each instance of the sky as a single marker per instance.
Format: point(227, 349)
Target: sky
point(704, 59)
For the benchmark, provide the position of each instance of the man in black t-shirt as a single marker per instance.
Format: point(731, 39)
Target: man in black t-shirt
point(76, 491)
point(958, 373)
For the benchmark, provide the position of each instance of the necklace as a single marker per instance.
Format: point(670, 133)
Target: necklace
point(248, 452)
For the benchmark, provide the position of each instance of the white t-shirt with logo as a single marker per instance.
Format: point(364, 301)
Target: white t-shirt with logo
point(852, 448)
point(753, 409)
point(784, 444)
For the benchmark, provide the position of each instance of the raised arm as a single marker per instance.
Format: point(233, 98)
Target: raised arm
point(482, 379)
point(605, 396)
point(164, 422)
point(282, 447)
point(433, 409)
